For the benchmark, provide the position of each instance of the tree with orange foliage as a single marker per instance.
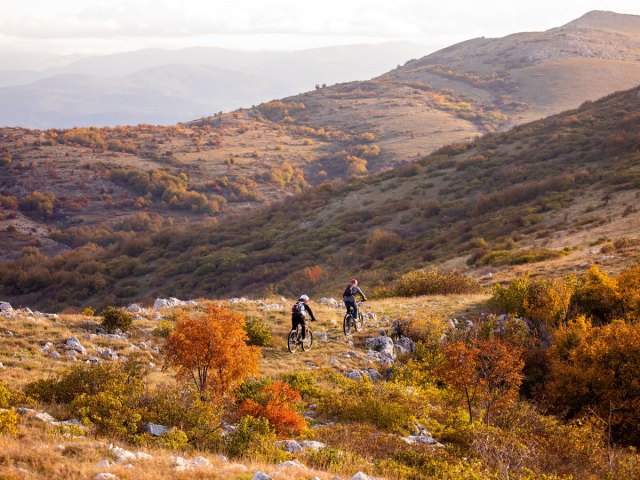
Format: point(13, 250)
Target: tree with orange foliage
point(488, 372)
point(212, 351)
point(593, 371)
point(277, 404)
point(313, 273)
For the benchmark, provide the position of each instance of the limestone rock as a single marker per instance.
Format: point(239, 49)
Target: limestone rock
point(312, 445)
point(261, 476)
point(156, 430)
point(104, 476)
point(382, 345)
point(290, 446)
point(73, 344)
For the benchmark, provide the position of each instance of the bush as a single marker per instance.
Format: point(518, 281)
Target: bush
point(113, 318)
point(164, 328)
point(259, 334)
point(277, 403)
point(86, 379)
point(430, 282)
point(387, 406)
point(254, 438)
point(546, 301)
point(9, 420)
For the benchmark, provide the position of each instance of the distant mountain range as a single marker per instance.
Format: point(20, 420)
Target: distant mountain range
point(164, 87)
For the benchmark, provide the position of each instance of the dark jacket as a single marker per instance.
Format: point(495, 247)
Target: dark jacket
point(350, 293)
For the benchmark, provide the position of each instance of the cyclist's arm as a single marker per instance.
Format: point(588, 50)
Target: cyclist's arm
point(362, 295)
point(308, 308)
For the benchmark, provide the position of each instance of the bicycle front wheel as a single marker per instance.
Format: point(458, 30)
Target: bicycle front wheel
point(292, 341)
point(308, 340)
point(359, 323)
point(346, 324)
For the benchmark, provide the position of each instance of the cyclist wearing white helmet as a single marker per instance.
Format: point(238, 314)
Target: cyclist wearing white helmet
point(349, 297)
point(299, 314)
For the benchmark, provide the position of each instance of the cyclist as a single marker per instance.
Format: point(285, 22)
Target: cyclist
point(299, 314)
point(349, 297)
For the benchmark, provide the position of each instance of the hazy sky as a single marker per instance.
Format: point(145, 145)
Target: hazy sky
point(102, 26)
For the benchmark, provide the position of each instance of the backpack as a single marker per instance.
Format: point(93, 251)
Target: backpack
point(298, 307)
point(348, 292)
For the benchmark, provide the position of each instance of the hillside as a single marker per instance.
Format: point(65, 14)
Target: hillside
point(483, 85)
point(232, 162)
point(557, 189)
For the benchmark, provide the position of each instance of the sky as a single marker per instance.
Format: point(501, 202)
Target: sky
point(106, 26)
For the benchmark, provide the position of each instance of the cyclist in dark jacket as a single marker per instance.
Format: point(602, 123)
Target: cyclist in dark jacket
point(299, 314)
point(349, 297)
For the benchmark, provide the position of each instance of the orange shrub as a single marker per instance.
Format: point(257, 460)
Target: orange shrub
point(277, 403)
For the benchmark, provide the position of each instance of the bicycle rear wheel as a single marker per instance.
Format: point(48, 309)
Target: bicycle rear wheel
point(307, 342)
point(359, 323)
point(292, 341)
point(346, 324)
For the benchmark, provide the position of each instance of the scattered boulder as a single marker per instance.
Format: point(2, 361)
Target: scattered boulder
point(290, 464)
point(156, 430)
point(321, 336)
point(312, 445)
point(73, 345)
point(172, 302)
point(332, 302)
point(362, 476)
point(370, 316)
point(103, 464)
point(261, 476)
point(5, 307)
point(404, 345)
point(107, 354)
point(104, 476)
point(290, 446)
point(382, 345)
point(422, 436)
point(373, 374)
point(353, 375)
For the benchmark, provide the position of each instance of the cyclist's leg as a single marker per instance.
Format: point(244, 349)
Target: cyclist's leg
point(355, 310)
point(304, 328)
point(349, 305)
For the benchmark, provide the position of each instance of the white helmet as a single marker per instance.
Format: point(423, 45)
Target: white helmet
point(304, 298)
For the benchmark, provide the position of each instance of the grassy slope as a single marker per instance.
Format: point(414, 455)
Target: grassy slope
point(567, 181)
point(24, 362)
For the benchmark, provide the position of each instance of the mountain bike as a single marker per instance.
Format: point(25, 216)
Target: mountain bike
point(349, 322)
point(295, 340)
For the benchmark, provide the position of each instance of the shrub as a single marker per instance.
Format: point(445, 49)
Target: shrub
point(253, 438)
point(546, 301)
point(387, 406)
point(40, 204)
point(430, 282)
point(277, 403)
point(5, 395)
point(89, 311)
point(258, 333)
point(164, 328)
point(113, 318)
point(86, 379)
point(380, 243)
point(200, 421)
point(9, 420)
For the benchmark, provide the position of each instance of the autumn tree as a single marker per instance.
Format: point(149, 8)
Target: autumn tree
point(211, 351)
point(313, 273)
point(593, 371)
point(487, 373)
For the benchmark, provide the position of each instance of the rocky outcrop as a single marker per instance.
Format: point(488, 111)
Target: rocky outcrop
point(172, 302)
point(72, 344)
